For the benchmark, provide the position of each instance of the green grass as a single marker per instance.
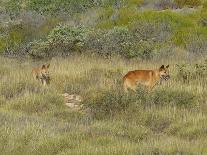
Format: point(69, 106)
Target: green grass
point(34, 120)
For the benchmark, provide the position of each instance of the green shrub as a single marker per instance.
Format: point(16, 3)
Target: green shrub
point(40, 49)
point(48, 6)
point(156, 30)
point(62, 40)
point(111, 42)
point(108, 103)
point(194, 42)
point(123, 42)
point(12, 37)
point(142, 49)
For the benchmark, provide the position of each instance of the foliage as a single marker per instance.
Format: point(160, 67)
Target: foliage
point(141, 122)
point(62, 40)
point(187, 72)
point(190, 3)
point(109, 103)
point(48, 6)
point(194, 42)
point(111, 42)
point(166, 4)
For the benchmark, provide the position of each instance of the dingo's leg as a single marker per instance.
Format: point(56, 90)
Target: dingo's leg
point(129, 85)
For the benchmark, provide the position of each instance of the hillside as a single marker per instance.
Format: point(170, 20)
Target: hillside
point(90, 45)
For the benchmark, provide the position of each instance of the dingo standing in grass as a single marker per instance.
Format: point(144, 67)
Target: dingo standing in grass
point(148, 78)
point(42, 74)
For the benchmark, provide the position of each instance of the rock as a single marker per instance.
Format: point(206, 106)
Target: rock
point(73, 101)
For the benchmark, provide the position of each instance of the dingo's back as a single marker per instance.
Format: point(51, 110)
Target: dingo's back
point(148, 78)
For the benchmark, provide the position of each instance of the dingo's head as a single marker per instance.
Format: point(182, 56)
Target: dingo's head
point(164, 73)
point(45, 71)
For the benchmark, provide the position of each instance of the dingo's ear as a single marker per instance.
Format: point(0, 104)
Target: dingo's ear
point(43, 67)
point(167, 66)
point(162, 67)
point(48, 65)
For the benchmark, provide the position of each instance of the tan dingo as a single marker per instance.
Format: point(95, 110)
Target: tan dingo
point(148, 78)
point(42, 74)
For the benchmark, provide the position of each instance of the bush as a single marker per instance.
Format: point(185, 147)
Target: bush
point(157, 26)
point(174, 97)
point(108, 103)
point(112, 102)
point(165, 4)
point(48, 6)
point(62, 40)
point(111, 42)
point(190, 72)
point(189, 3)
point(142, 49)
point(139, 41)
point(194, 42)
point(40, 49)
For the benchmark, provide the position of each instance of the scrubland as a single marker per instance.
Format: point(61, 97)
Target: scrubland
point(90, 46)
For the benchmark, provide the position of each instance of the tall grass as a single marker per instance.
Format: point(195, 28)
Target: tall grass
point(34, 120)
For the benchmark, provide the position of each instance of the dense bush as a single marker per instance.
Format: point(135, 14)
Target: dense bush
point(107, 43)
point(119, 31)
point(62, 40)
point(65, 40)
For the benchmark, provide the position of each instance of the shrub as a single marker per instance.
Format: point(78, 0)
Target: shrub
point(190, 3)
point(62, 40)
point(40, 49)
point(174, 97)
point(142, 49)
point(111, 42)
point(190, 72)
point(67, 36)
point(194, 42)
point(122, 41)
point(156, 27)
point(165, 4)
point(48, 6)
point(109, 103)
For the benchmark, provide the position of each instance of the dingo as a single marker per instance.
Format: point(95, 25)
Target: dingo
point(148, 78)
point(42, 74)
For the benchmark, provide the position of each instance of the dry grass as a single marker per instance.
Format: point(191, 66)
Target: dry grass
point(34, 119)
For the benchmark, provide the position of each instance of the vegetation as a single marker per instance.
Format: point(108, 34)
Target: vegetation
point(36, 121)
point(90, 45)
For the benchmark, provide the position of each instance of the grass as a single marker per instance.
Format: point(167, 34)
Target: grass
point(34, 120)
